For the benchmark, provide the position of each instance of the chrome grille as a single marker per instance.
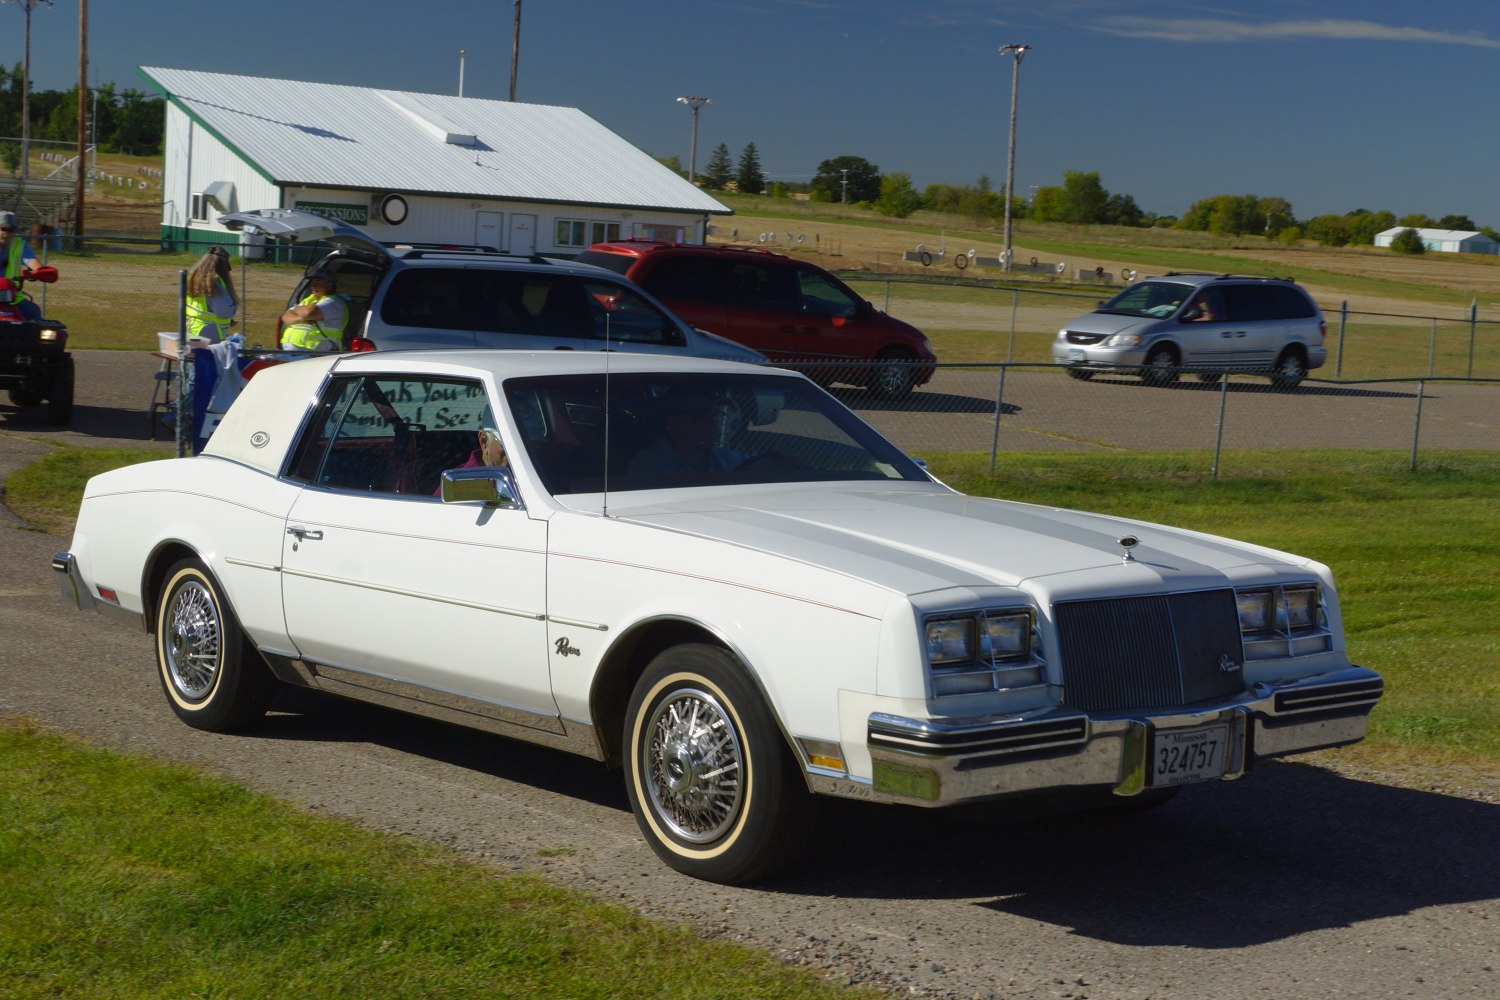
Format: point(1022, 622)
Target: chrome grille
point(1084, 338)
point(1150, 652)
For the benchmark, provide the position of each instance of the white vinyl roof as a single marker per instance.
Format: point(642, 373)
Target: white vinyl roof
point(330, 135)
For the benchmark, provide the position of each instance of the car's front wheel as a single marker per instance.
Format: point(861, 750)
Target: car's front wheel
point(894, 376)
point(1161, 366)
point(713, 786)
point(212, 679)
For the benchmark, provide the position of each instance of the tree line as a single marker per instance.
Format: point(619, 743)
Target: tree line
point(125, 120)
point(1080, 199)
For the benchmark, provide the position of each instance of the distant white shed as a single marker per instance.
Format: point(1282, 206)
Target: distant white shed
point(420, 168)
point(1444, 240)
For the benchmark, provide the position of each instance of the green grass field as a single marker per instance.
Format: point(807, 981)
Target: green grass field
point(124, 877)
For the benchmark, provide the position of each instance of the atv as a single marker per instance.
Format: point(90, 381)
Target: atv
point(35, 365)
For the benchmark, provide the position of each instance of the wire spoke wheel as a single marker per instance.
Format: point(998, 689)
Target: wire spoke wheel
point(213, 678)
point(695, 766)
point(194, 641)
point(713, 784)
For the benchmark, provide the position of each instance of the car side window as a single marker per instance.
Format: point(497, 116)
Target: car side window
point(692, 279)
point(437, 298)
point(622, 315)
point(1289, 303)
point(1249, 303)
point(390, 434)
point(822, 297)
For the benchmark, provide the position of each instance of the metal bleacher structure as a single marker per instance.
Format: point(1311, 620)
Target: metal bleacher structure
point(46, 192)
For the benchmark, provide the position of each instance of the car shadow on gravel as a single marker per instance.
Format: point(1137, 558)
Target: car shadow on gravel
point(306, 715)
point(1309, 388)
point(1292, 849)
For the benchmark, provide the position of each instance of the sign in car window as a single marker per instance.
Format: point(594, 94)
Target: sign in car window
point(383, 404)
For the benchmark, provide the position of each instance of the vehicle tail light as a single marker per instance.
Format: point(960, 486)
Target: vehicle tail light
point(359, 344)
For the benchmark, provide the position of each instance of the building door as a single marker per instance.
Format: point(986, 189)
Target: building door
point(487, 229)
point(522, 234)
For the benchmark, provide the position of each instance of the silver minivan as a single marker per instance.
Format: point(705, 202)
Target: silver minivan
point(1211, 324)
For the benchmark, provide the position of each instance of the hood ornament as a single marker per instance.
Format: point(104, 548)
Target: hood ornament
point(1127, 543)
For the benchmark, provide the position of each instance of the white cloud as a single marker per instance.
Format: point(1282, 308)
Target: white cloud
point(1207, 30)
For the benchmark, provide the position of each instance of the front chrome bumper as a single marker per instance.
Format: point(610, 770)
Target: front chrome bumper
point(939, 762)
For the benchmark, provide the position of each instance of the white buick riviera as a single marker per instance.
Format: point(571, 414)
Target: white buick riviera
point(711, 575)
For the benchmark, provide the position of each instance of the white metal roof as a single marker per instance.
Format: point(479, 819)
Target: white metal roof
point(1447, 235)
point(330, 135)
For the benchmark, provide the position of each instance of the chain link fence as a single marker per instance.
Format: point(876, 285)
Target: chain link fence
point(1415, 385)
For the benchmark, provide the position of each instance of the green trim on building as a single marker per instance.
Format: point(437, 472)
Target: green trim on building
point(209, 129)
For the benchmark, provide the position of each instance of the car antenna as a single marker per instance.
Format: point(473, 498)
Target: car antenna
point(604, 506)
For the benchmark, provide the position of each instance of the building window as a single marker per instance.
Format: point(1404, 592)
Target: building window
point(200, 208)
point(570, 233)
point(661, 231)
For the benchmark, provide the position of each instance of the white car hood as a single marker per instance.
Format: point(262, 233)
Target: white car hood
point(920, 540)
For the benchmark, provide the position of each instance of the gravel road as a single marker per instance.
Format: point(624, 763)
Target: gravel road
point(1298, 882)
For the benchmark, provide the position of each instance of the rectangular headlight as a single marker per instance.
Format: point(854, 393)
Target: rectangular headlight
point(1257, 610)
point(1007, 635)
point(950, 640)
point(1301, 608)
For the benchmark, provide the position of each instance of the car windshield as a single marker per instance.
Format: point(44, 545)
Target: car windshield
point(1148, 298)
point(592, 433)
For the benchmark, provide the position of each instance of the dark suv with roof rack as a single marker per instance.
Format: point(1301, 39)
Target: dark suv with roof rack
point(793, 311)
point(426, 295)
point(1210, 323)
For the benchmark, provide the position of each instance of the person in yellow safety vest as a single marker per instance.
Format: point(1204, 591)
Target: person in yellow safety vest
point(317, 322)
point(16, 256)
point(211, 299)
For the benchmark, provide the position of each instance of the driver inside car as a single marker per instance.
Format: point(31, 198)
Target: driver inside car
point(692, 421)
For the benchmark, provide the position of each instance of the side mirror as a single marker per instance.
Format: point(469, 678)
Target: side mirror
point(493, 486)
point(1191, 315)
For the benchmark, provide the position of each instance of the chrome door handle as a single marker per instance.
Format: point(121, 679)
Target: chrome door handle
point(304, 534)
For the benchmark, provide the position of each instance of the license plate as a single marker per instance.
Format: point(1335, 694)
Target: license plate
point(1182, 756)
point(1077, 353)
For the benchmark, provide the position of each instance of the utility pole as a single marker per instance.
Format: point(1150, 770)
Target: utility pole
point(515, 51)
point(844, 191)
point(460, 72)
point(81, 171)
point(1010, 164)
point(695, 103)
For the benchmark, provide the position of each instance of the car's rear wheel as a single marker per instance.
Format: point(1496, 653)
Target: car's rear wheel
point(894, 376)
point(713, 785)
point(1290, 370)
point(1082, 374)
point(211, 677)
point(1161, 366)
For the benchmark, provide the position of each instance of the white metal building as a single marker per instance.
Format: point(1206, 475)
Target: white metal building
point(1444, 240)
point(421, 168)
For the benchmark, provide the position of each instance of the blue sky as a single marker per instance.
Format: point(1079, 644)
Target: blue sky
point(1338, 105)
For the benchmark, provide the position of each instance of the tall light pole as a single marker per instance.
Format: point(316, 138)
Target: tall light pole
point(1018, 51)
point(26, 8)
point(844, 191)
point(695, 103)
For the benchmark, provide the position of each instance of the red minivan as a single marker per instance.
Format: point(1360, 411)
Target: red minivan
point(792, 311)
